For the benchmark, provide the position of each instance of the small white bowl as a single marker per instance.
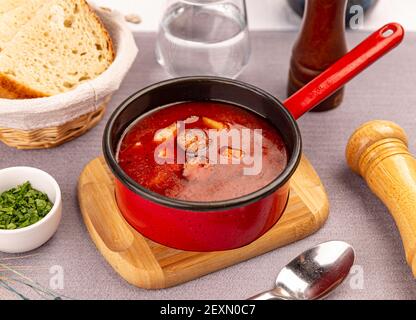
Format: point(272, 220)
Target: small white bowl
point(35, 235)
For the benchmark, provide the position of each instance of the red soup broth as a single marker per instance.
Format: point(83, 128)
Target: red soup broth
point(144, 147)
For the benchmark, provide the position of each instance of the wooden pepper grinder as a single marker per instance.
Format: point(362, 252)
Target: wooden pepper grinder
point(320, 43)
point(378, 152)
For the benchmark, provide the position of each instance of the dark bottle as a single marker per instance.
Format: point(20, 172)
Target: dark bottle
point(320, 43)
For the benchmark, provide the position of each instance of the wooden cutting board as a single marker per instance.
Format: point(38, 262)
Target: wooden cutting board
point(149, 265)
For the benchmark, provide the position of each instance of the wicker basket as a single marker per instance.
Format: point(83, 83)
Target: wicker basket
point(50, 122)
point(53, 136)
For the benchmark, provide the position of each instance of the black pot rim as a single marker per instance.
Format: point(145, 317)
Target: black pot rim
point(245, 200)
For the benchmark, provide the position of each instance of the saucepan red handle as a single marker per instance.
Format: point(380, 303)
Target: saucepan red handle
point(337, 75)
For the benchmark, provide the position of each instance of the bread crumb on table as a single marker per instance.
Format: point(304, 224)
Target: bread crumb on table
point(133, 18)
point(106, 9)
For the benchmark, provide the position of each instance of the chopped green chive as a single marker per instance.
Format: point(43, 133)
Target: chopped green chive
point(22, 206)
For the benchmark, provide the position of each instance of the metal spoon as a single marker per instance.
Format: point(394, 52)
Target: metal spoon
point(314, 274)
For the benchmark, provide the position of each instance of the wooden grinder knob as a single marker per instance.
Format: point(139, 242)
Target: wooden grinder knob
point(378, 151)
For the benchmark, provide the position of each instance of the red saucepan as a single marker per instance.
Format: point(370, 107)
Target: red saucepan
point(222, 225)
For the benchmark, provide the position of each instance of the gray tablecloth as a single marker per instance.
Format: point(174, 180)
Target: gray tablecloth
point(385, 91)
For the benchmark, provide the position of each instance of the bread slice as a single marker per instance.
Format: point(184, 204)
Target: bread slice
point(64, 45)
point(13, 20)
point(7, 5)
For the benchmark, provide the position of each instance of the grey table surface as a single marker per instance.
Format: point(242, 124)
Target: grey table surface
point(385, 91)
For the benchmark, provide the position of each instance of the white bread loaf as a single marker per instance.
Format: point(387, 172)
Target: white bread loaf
point(7, 5)
point(63, 45)
point(12, 20)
